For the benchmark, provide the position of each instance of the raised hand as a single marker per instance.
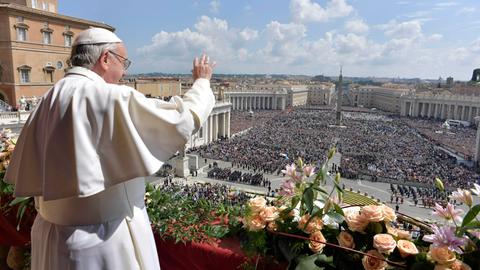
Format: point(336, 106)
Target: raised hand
point(202, 68)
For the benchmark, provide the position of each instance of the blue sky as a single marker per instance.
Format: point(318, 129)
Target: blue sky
point(382, 38)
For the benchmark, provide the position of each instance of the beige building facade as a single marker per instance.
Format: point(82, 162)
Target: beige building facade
point(382, 98)
point(297, 95)
point(157, 87)
point(321, 94)
point(441, 106)
point(35, 44)
point(246, 101)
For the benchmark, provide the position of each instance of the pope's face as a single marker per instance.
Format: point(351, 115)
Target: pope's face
point(116, 59)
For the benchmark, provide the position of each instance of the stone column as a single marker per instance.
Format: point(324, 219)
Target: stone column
point(209, 128)
point(221, 124)
point(415, 109)
point(215, 127)
point(228, 124)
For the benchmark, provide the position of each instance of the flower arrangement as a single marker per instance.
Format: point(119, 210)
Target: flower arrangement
point(21, 206)
point(311, 227)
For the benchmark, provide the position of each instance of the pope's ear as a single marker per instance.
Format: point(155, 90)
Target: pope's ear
point(103, 60)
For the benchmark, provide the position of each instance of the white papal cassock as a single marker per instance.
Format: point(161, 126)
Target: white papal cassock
point(83, 154)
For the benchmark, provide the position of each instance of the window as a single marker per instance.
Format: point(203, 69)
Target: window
point(47, 37)
point(49, 70)
point(34, 3)
point(49, 75)
point(44, 6)
point(68, 40)
point(21, 34)
point(24, 73)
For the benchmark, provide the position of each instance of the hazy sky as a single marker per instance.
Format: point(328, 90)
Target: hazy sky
point(393, 38)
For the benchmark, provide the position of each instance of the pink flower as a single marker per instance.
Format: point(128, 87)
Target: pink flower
point(406, 248)
point(384, 243)
point(257, 204)
point(255, 223)
point(308, 170)
point(372, 263)
point(372, 213)
point(459, 265)
point(269, 213)
point(291, 171)
point(346, 240)
point(287, 189)
point(448, 213)
point(355, 222)
point(317, 242)
point(445, 237)
point(463, 196)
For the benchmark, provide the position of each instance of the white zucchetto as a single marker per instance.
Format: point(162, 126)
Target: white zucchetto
point(96, 36)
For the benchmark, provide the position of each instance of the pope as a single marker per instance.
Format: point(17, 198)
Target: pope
point(85, 150)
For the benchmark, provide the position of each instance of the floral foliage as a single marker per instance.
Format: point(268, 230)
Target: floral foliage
point(311, 227)
point(183, 219)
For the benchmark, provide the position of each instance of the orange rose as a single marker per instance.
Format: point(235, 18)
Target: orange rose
point(391, 230)
point(372, 213)
point(370, 263)
point(354, 222)
point(345, 240)
point(257, 204)
point(388, 213)
point(442, 255)
point(404, 234)
point(272, 226)
point(406, 248)
point(315, 246)
point(459, 265)
point(316, 224)
point(269, 213)
point(303, 220)
point(255, 223)
point(384, 243)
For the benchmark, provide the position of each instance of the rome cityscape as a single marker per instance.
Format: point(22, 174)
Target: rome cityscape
point(394, 133)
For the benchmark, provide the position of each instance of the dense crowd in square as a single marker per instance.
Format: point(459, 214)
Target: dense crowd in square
point(372, 144)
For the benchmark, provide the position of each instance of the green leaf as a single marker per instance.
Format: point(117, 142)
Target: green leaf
point(308, 197)
point(321, 190)
point(314, 262)
point(337, 178)
point(472, 213)
point(18, 200)
point(338, 218)
point(338, 209)
point(295, 201)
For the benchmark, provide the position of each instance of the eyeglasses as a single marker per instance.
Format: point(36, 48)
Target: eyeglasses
point(126, 63)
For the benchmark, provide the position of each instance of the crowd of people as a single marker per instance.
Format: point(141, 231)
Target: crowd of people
point(213, 193)
point(424, 196)
point(382, 146)
point(244, 119)
point(459, 139)
point(226, 174)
